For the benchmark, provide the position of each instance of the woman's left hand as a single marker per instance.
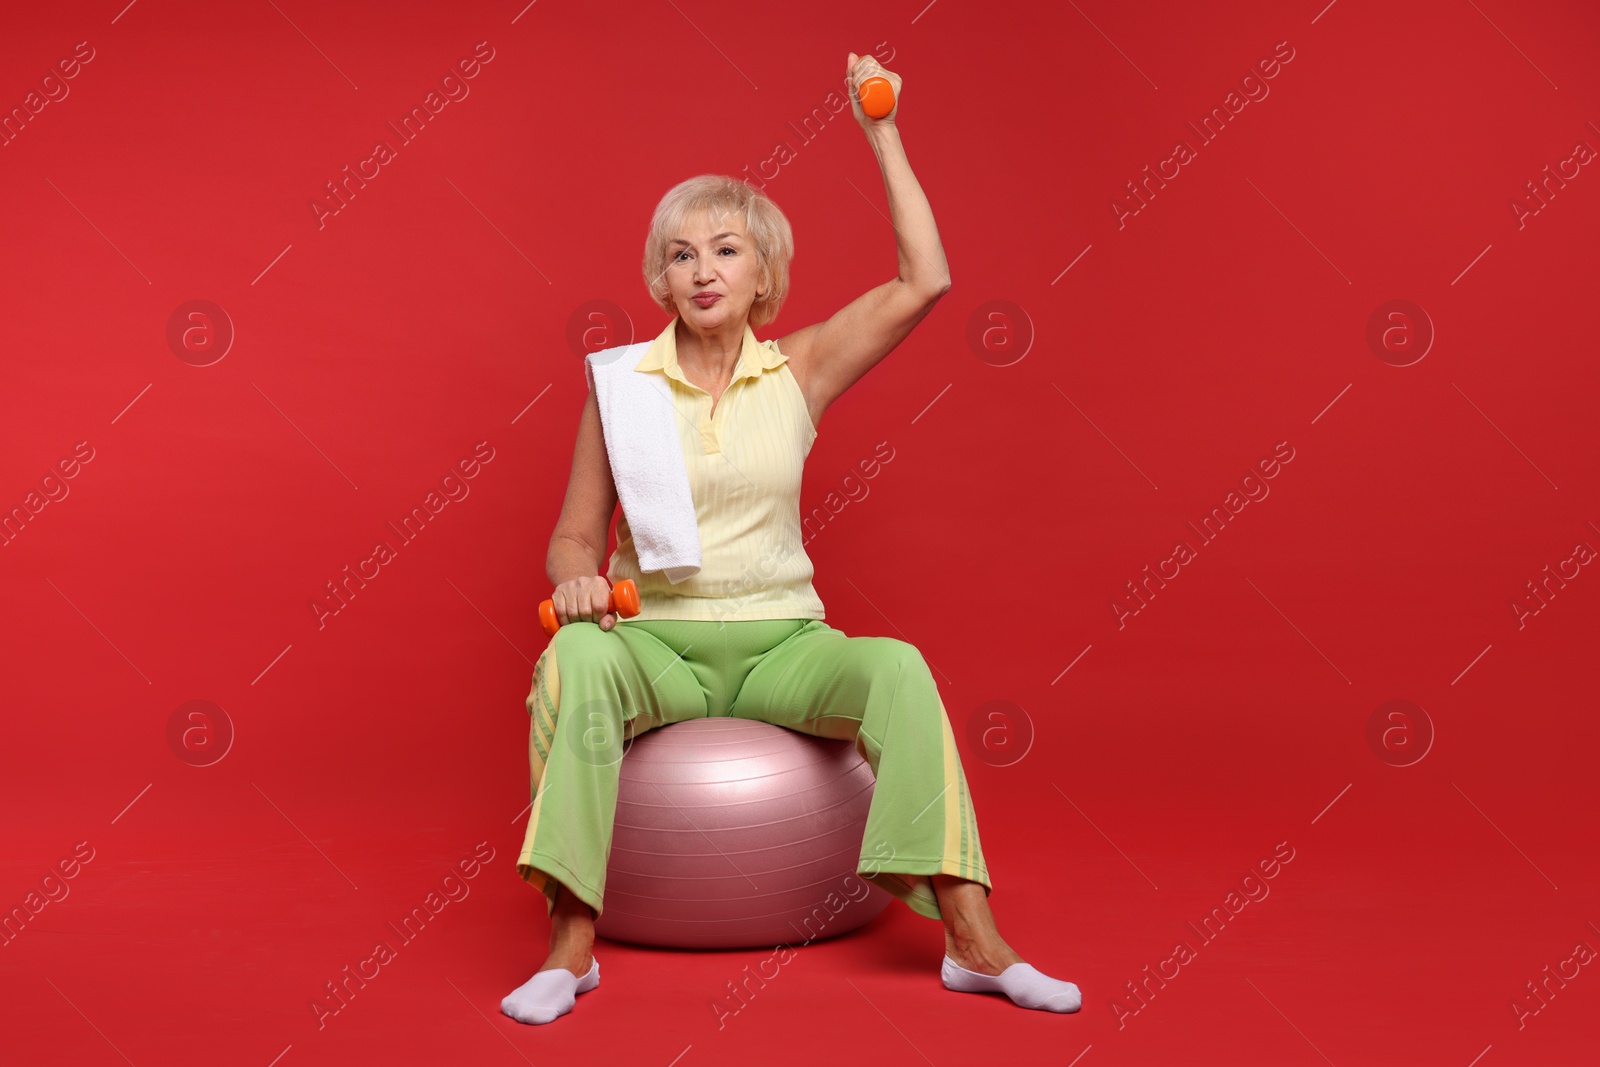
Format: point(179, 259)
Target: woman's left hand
point(858, 69)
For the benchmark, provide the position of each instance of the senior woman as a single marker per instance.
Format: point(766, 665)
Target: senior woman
point(745, 634)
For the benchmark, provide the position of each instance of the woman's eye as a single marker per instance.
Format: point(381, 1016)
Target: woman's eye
point(724, 248)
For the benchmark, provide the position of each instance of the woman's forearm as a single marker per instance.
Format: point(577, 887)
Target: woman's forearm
point(922, 262)
point(570, 558)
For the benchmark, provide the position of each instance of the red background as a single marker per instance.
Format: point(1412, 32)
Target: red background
point(1229, 715)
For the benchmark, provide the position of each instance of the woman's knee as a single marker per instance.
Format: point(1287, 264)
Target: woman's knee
point(902, 657)
point(585, 642)
point(900, 665)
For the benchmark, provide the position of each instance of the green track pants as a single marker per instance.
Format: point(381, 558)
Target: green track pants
point(593, 689)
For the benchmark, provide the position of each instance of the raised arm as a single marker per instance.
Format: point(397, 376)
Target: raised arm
point(830, 356)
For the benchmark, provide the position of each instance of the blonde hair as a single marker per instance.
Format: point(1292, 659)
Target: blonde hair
point(720, 196)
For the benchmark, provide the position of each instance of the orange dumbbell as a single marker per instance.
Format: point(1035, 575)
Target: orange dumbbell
point(877, 97)
point(624, 601)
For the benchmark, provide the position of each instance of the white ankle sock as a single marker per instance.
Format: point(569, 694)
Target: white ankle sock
point(549, 995)
point(1021, 982)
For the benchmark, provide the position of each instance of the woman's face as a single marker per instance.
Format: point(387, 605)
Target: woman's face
point(713, 255)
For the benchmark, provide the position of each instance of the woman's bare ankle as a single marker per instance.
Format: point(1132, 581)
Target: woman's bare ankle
point(982, 955)
point(575, 956)
point(571, 935)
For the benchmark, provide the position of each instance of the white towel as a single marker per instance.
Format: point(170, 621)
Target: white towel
point(639, 421)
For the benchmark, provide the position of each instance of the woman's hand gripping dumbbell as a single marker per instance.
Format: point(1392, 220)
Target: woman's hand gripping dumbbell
point(589, 599)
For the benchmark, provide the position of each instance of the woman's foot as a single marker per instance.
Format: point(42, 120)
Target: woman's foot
point(568, 970)
point(1025, 985)
point(977, 959)
point(549, 994)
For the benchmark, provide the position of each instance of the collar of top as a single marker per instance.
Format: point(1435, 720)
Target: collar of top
point(754, 357)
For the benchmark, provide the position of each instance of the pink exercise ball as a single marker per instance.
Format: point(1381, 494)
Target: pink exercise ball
point(732, 833)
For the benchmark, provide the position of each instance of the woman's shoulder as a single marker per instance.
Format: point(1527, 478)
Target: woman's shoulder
point(792, 353)
point(796, 345)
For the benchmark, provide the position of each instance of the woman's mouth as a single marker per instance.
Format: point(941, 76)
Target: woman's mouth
point(705, 300)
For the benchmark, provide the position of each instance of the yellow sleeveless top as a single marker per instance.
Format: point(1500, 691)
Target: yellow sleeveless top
point(744, 463)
